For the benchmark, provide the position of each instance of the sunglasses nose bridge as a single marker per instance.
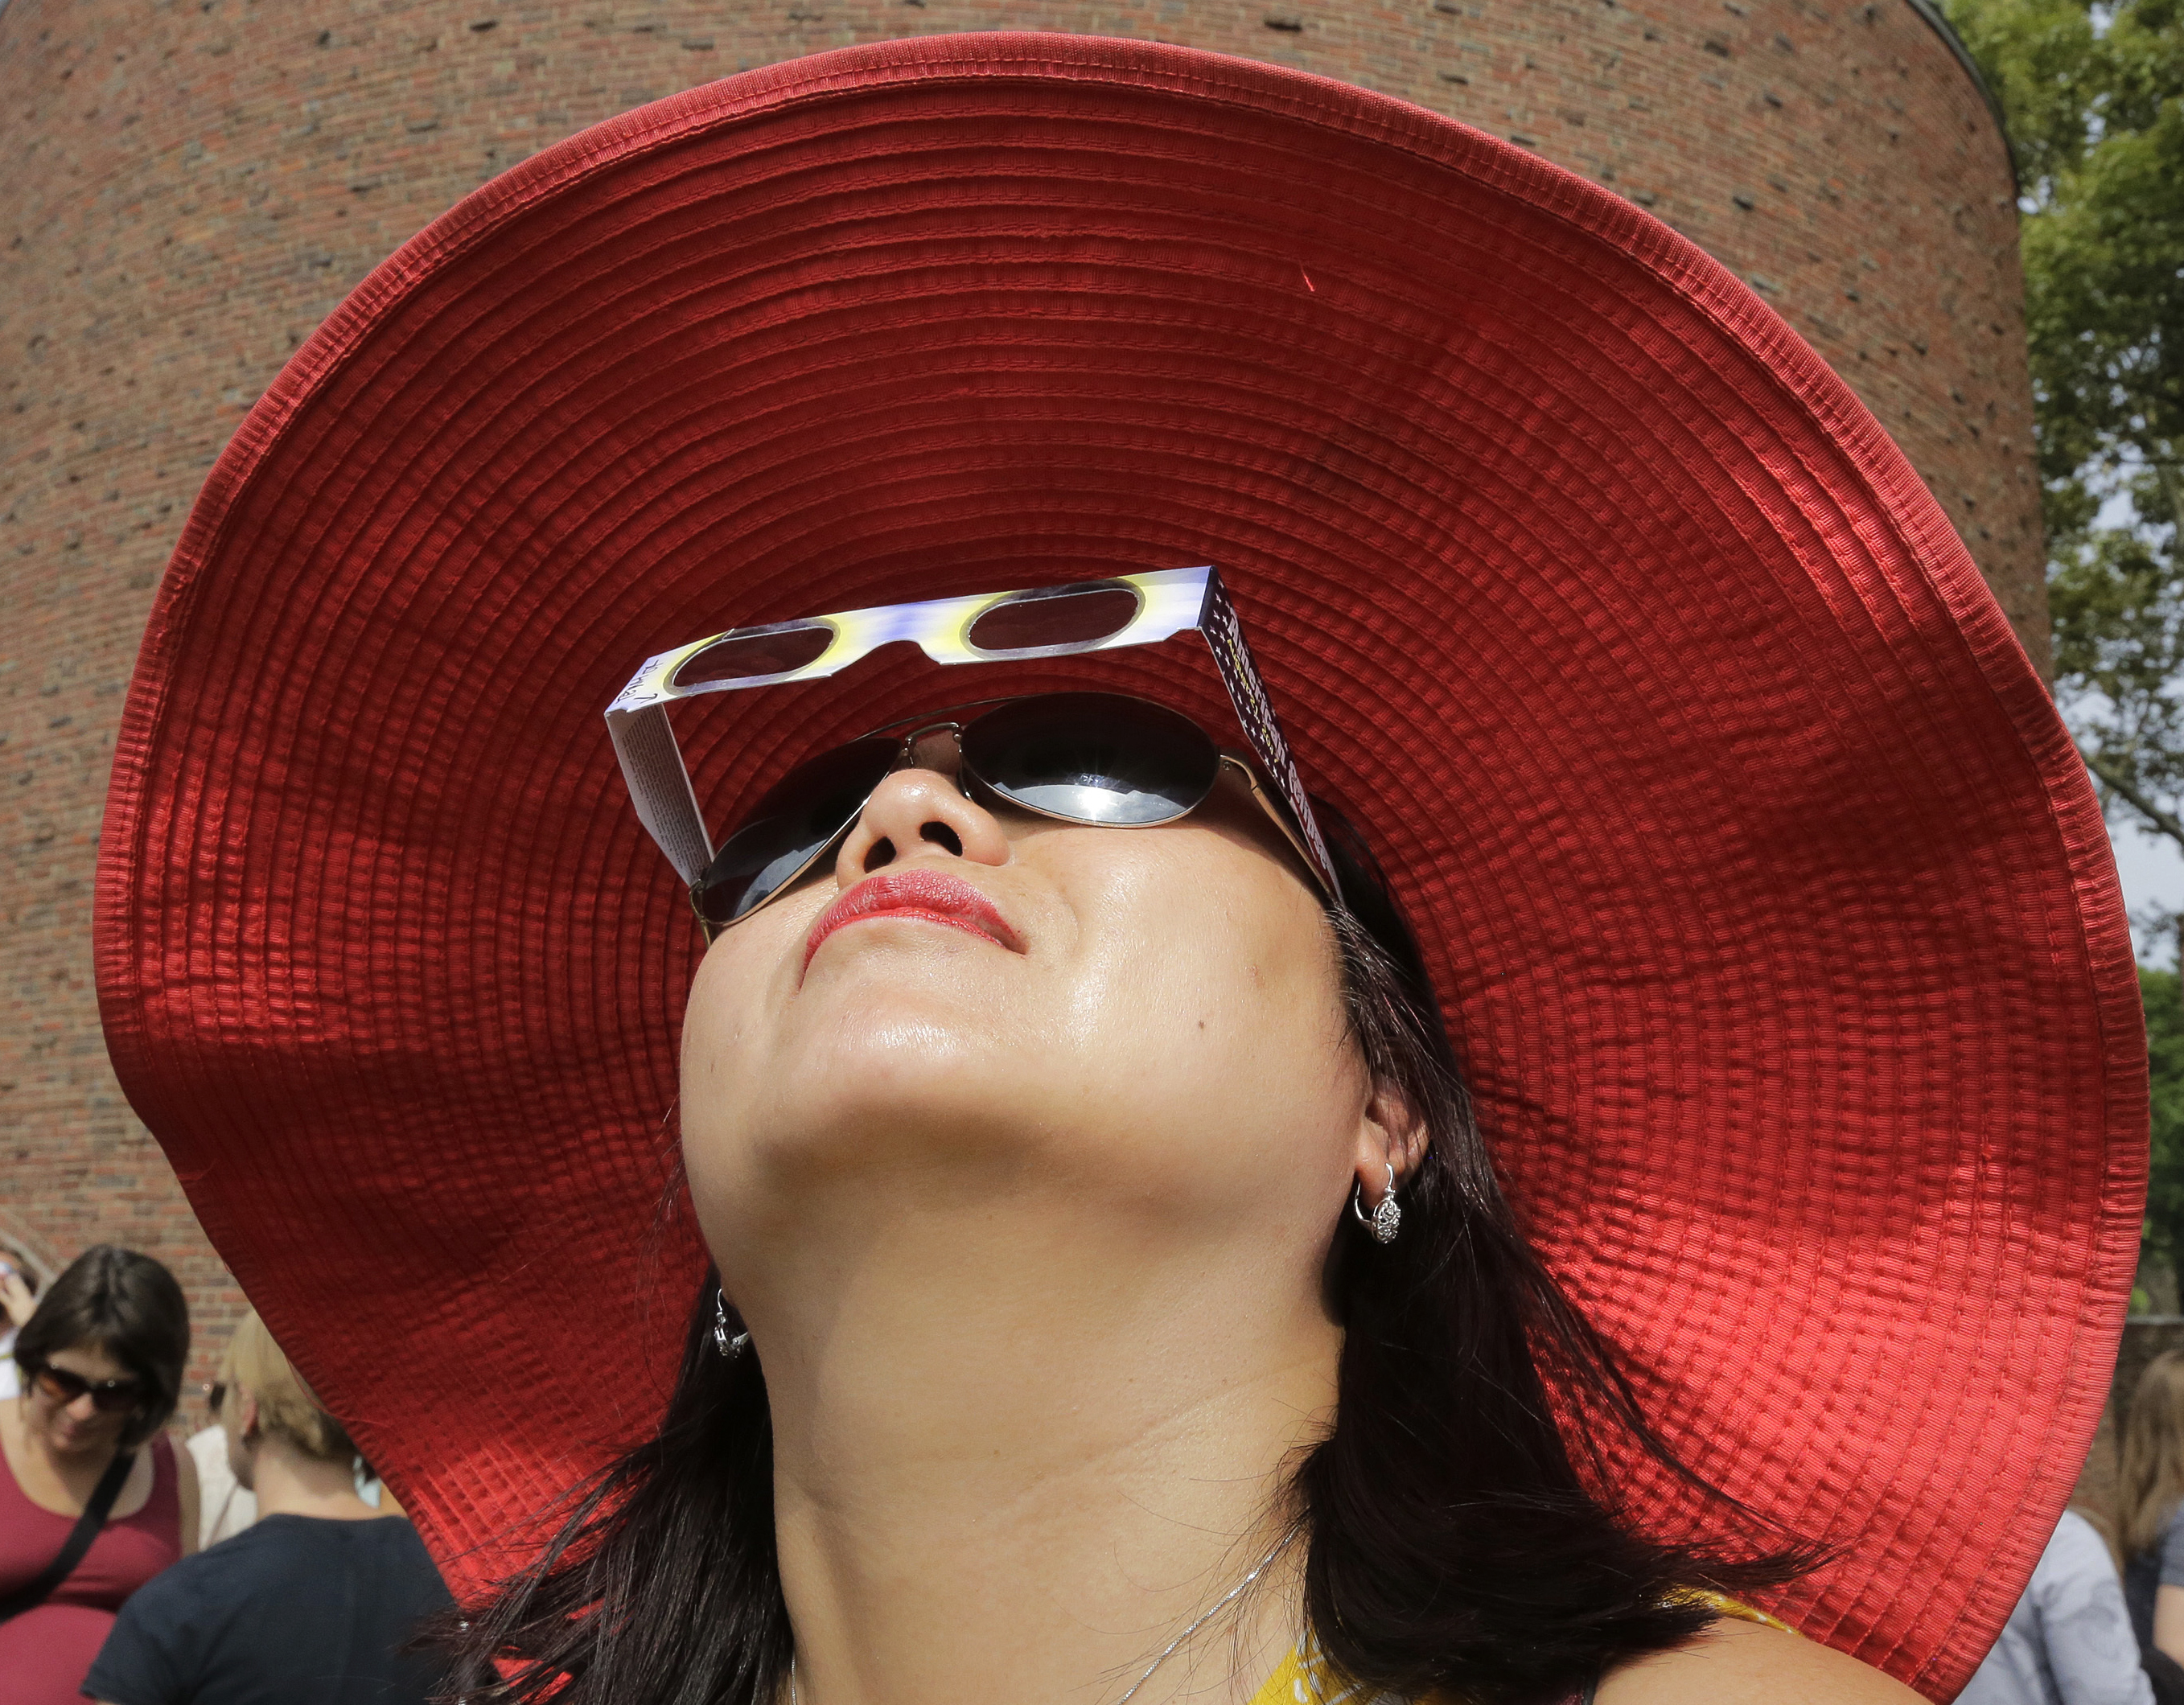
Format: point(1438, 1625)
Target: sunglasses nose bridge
point(937, 746)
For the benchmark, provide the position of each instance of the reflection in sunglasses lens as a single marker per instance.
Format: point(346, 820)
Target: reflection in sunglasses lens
point(796, 821)
point(1093, 758)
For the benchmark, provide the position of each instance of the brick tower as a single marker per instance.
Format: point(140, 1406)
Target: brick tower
point(194, 184)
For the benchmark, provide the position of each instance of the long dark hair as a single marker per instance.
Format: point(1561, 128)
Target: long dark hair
point(1455, 1543)
point(127, 1305)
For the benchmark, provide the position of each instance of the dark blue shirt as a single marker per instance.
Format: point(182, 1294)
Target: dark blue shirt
point(2161, 1564)
point(292, 1610)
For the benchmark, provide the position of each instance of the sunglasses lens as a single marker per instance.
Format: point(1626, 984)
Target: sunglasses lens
point(1055, 619)
point(1093, 758)
point(64, 1387)
point(796, 822)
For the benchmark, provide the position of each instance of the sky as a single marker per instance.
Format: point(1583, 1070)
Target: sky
point(2153, 869)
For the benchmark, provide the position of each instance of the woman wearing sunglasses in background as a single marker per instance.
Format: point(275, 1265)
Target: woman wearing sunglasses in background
point(1436, 1113)
point(92, 1482)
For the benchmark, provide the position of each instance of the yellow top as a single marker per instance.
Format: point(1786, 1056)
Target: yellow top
point(1722, 1605)
point(1305, 1679)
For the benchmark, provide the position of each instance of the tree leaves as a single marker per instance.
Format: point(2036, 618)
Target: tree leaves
point(2104, 275)
point(2165, 1042)
point(2094, 96)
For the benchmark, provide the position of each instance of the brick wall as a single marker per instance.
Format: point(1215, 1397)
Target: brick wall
point(194, 184)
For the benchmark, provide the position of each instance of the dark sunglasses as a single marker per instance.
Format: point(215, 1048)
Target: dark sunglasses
point(215, 1394)
point(1098, 759)
point(109, 1396)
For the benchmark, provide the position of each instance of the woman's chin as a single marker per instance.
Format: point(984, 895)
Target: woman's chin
point(913, 1109)
point(919, 1097)
point(902, 1023)
point(914, 957)
point(82, 1441)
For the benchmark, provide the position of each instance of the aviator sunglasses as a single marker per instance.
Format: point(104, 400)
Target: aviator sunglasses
point(1097, 759)
point(109, 1396)
point(1090, 758)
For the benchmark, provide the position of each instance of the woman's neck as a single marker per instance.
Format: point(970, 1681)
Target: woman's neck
point(289, 1483)
point(1017, 1454)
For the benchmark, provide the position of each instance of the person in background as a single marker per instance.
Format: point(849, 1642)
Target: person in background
point(311, 1604)
point(2152, 1501)
point(2069, 1641)
point(91, 1483)
point(18, 1300)
point(226, 1505)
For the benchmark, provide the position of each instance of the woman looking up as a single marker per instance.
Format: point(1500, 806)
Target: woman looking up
point(1421, 1114)
point(1074, 1113)
point(102, 1360)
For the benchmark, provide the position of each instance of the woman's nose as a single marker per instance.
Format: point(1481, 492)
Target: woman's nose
point(918, 811)
point(81, 1409)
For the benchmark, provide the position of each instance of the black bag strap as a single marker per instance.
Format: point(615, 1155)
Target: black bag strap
point(2166, 1675)
point(80, 1537)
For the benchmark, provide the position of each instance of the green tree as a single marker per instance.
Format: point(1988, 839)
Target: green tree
point(2165, 1194)
point(2094, 95)
point(2094, 98)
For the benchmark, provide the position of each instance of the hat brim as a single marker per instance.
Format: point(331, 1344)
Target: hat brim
point(1768, 902)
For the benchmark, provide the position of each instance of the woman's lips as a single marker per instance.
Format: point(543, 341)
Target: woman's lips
point(933, 896)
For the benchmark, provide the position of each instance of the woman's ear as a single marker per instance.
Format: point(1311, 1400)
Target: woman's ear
point(1391, 1133)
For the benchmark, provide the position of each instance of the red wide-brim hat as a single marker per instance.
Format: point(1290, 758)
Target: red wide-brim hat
point(1767, 901)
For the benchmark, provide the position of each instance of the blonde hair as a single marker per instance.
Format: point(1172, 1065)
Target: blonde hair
point(2154, 1454)
point(287, 1408)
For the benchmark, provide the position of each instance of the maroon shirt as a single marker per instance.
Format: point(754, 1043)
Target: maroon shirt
point(45, 1653)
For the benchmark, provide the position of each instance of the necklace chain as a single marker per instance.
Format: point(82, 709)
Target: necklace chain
point(1174, 1646)
point(1219, 1605)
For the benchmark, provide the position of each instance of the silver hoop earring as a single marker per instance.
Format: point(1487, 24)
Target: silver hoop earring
point(1387, 1218)
point(730, 1347)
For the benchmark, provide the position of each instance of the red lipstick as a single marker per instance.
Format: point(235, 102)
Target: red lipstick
point(932, 896)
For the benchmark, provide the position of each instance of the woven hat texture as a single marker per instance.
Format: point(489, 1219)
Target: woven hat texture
point(1769, 904)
